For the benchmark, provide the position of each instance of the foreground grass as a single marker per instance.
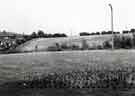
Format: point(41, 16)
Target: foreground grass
point(79, 79)
point(34, 65)
point(68, 92)
point(96, 73)
point(82, 83)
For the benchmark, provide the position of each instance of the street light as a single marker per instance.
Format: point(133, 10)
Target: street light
point(112, 25)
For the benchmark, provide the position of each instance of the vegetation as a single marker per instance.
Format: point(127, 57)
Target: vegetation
point(125, 42)
point(106, 32)
point(72, 46)
point(41, 34)
point(42, 63)
point(92, 70)
point(104, 70)
point(9, 45)
point(120, 41)
point(82, 79)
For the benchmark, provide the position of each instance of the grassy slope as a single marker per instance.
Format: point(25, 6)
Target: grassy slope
point(17, 66)
point(43, 43)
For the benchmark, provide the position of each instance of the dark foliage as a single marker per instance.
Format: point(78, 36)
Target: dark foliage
point(107, 45)
point(123, 42)
point(87, 34)
point(84, 34)
point(100, 47)
point(75, 47)
point(64, 46)
point(55, 47)
point(43, 35)
point(27, 37)
point(79, 79)
point(34, 35)
point(85, 45)
point(132, 30)
point(109, 32)
point(59, 35)
point(40, 33)
point(125, 31)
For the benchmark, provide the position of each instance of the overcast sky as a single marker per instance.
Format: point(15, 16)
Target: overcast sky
point(65, 15)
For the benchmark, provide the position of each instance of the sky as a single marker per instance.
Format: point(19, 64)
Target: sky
point(65, 16)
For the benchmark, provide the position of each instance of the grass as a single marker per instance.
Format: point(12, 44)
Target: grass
point(37, 65)
point(44, 43)
point(64, 92)
point(19, 66)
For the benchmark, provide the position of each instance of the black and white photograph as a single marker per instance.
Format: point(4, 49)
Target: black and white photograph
point(67, 48)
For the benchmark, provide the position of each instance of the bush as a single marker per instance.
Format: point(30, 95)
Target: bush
point(133, 40)
point(81, 79)
point(99, 47)
point(55, 47)
point(52, 48)
point(84, 34)
point(65, 46)
point(123, 42)
point(107, 45)
point(85, 46)
point(75, 47)
point(117, 42)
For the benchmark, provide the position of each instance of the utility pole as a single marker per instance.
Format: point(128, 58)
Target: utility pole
point(112, 25)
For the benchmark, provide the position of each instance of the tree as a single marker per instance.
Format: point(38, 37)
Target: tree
point(59, 35)
point(40, 33)
point(84, 34)
point(107, 45)
point(27, 37)
point(63, 35)
point(34, 35)
point(132, 30)
point(97, 33)
point(125, 31)
point(103, 32)
point(85, 45)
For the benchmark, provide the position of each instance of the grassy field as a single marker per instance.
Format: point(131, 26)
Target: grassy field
point(21, 66)
point(25, 66)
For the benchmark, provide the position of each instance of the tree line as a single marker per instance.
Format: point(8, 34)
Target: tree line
point(106, 32)
point(41, 33)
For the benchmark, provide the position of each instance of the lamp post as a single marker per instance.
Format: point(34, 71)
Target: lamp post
point(112, 25)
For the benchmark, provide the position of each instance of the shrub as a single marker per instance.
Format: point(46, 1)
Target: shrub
point(133, 40)
point(117, 42)
point(123, 42)
point(81, 79)
point(75, 47)
point(55, 47)
point(52, 48)
point(85, 46)
point(99, 47)
point(65, 46)
point(84, 34)
point(107, 45)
